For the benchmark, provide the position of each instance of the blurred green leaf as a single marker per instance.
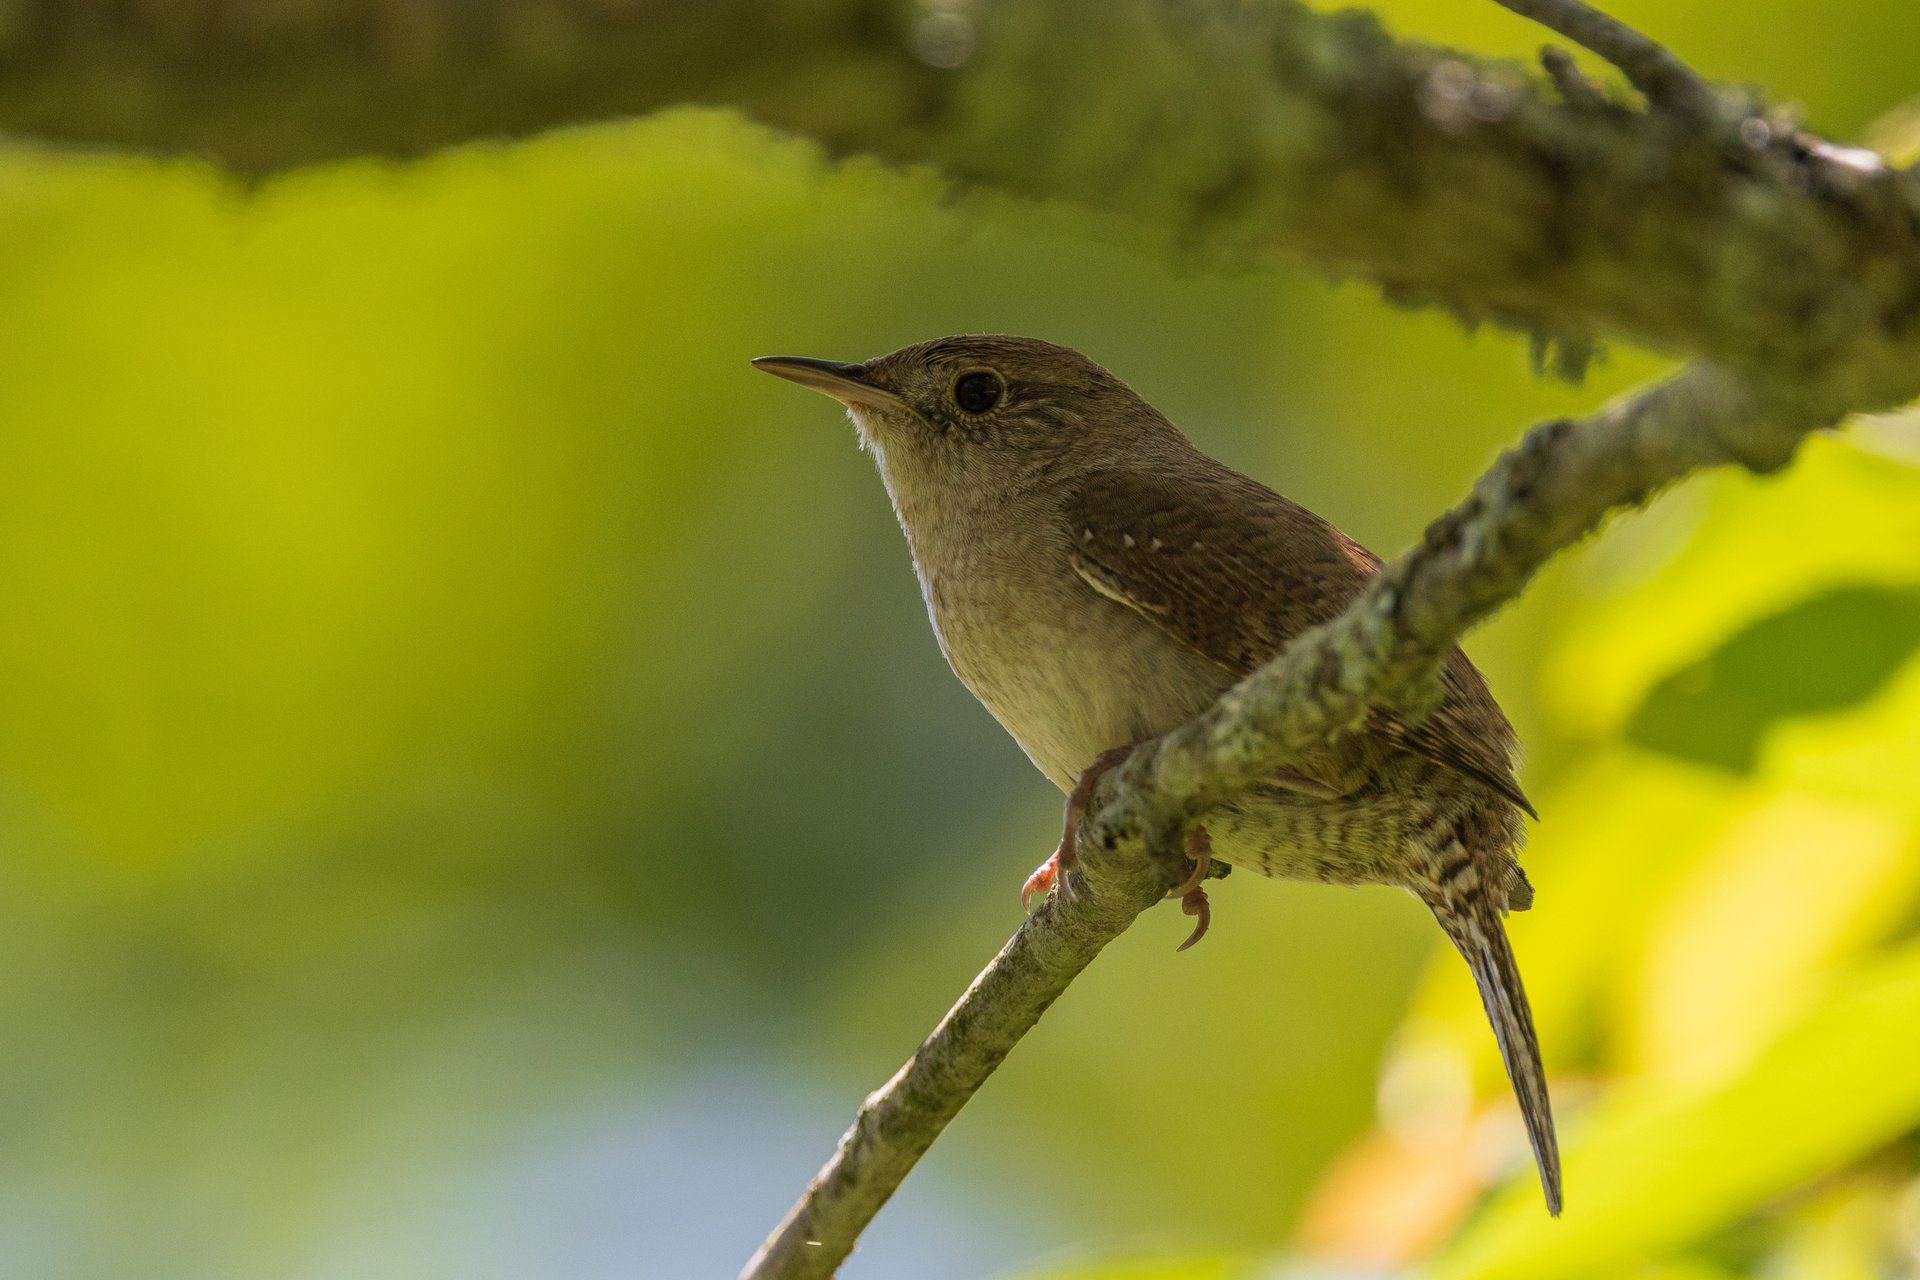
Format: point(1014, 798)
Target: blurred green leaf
point(1652, 1169)
point(1839, 1232)
point(1825, 654)
point(1677, 1269)
point(1666, 585)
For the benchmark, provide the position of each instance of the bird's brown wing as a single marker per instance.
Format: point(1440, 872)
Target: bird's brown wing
point(1235, 571)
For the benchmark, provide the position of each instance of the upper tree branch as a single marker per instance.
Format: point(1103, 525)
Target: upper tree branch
point(1243, 129)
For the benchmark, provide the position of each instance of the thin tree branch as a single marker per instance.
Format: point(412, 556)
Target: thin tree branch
point(1649, 66)
point(1550, 491)
point(898, 1123)
point(1573, 84)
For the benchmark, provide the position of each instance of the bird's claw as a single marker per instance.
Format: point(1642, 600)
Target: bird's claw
point(1045, 876)
point(1054, 871)
point(1194, 903)
point(1200, 853)
point(1193, 898)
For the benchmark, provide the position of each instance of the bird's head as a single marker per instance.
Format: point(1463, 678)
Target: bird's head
point(984, 413)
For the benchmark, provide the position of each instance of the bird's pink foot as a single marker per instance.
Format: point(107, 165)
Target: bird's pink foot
point(1040, 881)
point(1054, 870)
point(1194, 903)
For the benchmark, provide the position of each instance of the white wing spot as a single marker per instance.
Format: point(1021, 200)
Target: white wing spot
point(1127, 538)
point(1086, 535)
point(1157, 544)
point(1199, 546)
point(1107, 589)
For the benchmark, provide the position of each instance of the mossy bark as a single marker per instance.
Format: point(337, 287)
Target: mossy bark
point(1237, 130)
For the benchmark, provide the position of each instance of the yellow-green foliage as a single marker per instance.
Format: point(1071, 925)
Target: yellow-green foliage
point(478, 796)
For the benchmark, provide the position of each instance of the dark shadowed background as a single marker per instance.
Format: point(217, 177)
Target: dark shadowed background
point(479, 796)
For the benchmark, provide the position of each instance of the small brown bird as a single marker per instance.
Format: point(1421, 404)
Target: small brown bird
point(1096, 580)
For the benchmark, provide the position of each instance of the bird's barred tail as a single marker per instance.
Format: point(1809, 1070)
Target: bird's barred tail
point(1473, 922)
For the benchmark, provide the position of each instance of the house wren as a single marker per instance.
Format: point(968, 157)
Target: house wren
point(1096, 581)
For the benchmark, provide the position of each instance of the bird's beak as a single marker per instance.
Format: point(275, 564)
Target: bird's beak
point(846, 383)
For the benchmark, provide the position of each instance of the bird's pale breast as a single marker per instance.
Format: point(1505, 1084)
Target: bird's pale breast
point(1068, 673)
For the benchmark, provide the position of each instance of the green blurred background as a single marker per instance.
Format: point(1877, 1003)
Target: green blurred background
point(479, 797)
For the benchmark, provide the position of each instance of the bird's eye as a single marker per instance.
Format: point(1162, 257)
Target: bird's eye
point(977, 392)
